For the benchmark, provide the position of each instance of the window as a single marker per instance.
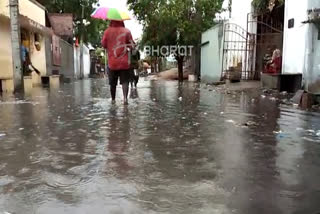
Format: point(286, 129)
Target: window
point(291, 23)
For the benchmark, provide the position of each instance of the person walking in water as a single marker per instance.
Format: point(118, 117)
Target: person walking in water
point(118, 42)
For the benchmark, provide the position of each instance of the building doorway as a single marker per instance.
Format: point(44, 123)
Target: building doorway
point(269, 28)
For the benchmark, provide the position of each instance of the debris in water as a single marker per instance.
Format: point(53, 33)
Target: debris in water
point(222, 113)
point(180, 99)
point(284, 93)
point(318, 133)
point(82, 131)
point(250, 123)
point(234, 189)
point(273, 98)
point(267, 91)
point(21, 129)
point(309, 139)
point(2, 134)
point(277, 132)
point(263, 96)
point(230, 121)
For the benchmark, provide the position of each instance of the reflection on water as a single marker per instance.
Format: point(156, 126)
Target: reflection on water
point(71, 151)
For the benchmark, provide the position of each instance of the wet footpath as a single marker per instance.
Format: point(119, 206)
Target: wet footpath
point(188, 149)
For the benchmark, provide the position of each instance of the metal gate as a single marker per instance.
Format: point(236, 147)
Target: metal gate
point(245, 50)
point(268, 30)
point(238, 53)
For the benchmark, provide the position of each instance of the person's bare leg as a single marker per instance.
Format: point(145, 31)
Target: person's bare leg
point(125, 89)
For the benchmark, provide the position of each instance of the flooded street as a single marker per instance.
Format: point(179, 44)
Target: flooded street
point(174, 149)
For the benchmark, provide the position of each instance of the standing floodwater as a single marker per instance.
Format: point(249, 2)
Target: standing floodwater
point(174, 149)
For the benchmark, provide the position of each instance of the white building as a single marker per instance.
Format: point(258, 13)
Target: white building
point(289, 32)
point(218, 54)
point(301, 51)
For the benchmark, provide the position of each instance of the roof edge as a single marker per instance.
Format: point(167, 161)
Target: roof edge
point(38, 4)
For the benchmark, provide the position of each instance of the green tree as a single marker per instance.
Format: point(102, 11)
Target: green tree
point(262, 6)
point(175, 22)
point(93, 32)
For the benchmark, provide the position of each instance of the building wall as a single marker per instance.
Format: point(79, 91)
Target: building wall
point(49, 62)
point(6, 71)
point(293, 51)
point(67, 59)
point(312, 78)
point(211, 54)
point(76, 56)
point(38, 59)
point(86, 61)
point(4, 7)
point(302, 57)
point(29, 8)
point(35, 12)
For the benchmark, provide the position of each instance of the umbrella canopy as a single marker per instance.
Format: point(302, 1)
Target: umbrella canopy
point(114, 14)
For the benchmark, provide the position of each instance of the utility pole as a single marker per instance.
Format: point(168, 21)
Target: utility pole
point(81, 44)
point(15, 43)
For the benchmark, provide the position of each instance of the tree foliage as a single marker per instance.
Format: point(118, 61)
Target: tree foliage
point(175, 22)
point(92, 33)
point(264, 5)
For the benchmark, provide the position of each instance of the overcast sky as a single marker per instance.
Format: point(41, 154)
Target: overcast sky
point(133, 24)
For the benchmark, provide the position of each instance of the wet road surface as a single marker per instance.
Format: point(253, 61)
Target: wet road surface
point(174, 149)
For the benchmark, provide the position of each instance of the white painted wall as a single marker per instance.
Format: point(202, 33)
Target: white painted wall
point(312, 79)
point(301, 52)
point(211, 54)
point(294, 51)
point(86, 62)
point(76, 53)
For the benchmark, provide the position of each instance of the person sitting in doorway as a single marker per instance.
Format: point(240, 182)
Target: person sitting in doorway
point(275, 64)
